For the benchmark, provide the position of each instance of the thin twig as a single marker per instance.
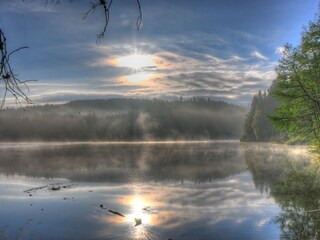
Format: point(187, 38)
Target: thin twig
point(106, 9)
point(10, 79)
point(139, 19)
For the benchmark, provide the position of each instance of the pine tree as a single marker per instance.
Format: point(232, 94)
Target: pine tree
point(258, 127)
point(248, 134)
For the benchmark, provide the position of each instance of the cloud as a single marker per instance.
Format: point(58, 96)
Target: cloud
point(199, 49)
point(65, 96)
point(59, 92)
point(183, 67)
point(35, 6)
point(280, 50)
point(178, 72)
point(259, 55)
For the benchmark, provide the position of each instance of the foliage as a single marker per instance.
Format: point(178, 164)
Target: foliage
point(298, 87)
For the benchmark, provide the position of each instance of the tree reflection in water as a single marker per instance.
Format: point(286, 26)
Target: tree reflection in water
point(194, 190)
point(294, 182)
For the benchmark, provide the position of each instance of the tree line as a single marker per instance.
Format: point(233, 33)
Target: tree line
point(124, 119)
point(257, 126)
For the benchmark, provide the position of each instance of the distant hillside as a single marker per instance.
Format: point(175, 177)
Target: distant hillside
point(125, 119)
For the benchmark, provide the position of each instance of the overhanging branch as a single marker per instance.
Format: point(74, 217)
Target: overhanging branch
point(12, 84)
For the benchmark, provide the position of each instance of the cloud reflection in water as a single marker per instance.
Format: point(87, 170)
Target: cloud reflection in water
point(195, 191)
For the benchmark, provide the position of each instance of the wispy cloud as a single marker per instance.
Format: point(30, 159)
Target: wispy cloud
point(198, 49)
point(280, 50)
point(35, 6)
point(181, 73)
point(176, 72)
point(259, 55)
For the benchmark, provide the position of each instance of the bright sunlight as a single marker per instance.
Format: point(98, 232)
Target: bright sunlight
point(138, 205)
point(136, 61)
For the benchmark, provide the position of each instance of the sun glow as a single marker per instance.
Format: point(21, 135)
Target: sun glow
point(140, 64)
point(138, 77)
point(136, 61)
point(138, 205)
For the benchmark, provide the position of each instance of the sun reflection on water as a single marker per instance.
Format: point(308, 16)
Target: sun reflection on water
point(139, 211)
point(140, 217)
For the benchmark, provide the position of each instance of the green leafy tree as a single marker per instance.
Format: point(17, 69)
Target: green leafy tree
point(298, 87)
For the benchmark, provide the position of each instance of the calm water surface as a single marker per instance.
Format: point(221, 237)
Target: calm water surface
point(208, 190)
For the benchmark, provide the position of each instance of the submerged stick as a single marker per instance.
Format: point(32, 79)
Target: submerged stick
point(146, 208)
point(38, 188)
point(111, 211)
point(116, 213)
point(54, 187)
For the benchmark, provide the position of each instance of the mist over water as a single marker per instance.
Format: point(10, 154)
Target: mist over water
point(124, 120)
point(189, 190)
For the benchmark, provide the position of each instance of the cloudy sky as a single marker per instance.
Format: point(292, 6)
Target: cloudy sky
point(223, 49)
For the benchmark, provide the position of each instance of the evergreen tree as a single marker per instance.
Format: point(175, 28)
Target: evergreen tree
point(248, 133)
point(257, 127)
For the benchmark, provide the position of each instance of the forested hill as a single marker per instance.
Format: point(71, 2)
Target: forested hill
point(125, 119)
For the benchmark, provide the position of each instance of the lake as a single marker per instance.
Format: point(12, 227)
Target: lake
point(158, 190)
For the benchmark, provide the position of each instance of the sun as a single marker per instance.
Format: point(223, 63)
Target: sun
point(136, 61)
point(140, 64)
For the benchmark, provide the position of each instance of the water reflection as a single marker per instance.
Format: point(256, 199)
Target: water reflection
point(189, 212)
point(270, 163)
point(125, 162)
point(294, 182)
point(219, 190)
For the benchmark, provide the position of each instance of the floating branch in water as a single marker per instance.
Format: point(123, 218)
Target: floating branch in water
point(117, 213)
point(146, 208)
point(111, 211)
point(50, 187)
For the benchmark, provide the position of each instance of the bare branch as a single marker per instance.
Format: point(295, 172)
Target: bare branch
point(139, 19)
point(106, 8)
point(12, 84)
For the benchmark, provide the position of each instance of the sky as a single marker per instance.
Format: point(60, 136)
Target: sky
point(223, 49)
